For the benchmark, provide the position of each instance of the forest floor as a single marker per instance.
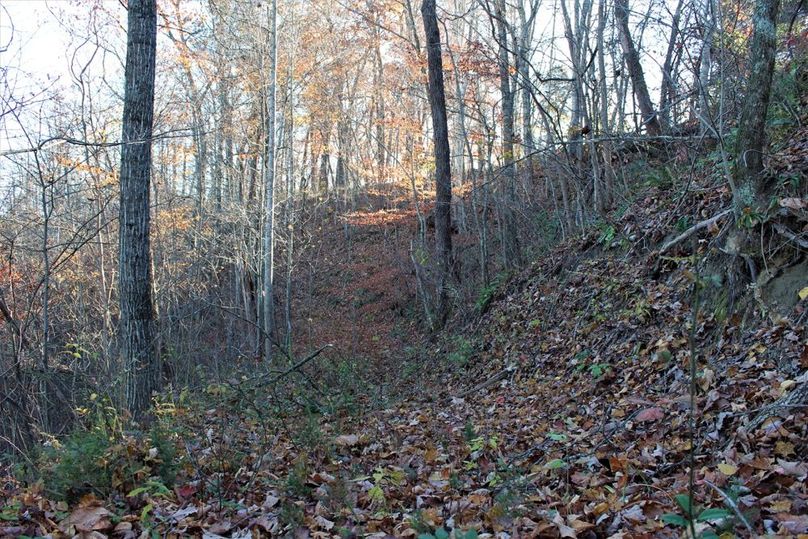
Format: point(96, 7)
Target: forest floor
point(562, 408)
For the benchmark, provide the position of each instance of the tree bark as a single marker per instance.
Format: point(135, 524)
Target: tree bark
point(752, 126)
point(667, 85)
point(268, 247)
point(136, 329)
point(511, 251)
point(443, 172)
point(649, 117)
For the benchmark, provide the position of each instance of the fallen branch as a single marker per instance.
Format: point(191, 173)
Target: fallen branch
point(693, 229)
point(790, 235)
point(796, 398)
point(294, 367)
point(501, 375)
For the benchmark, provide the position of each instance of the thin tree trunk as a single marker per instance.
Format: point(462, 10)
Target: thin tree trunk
point(268, 247)
point(511, 252)
point(649, 117)
point(443, 171)
point(667, 85)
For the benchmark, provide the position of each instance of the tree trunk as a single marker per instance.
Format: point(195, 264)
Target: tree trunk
point(268, 246)
point(136, 329)
point(443, 172)
point(752, 126)
point(649, 117)
point(511, 252)
point(667, 85)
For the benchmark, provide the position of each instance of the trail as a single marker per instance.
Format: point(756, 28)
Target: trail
point(561, 411)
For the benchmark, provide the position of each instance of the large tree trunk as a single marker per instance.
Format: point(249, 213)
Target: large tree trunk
point(443, 172)
point(752, 126)
point(649, 117)
point(141, 363)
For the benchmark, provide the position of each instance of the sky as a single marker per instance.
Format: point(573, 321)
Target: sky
point(35, 42)
point(40, 39)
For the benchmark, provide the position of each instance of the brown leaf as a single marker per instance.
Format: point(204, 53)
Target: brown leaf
point(650, 414)
point(793, 523)
point(347, 440)
point(563, 529)
point(793, 203)
point(87, 519)
point(324, 522)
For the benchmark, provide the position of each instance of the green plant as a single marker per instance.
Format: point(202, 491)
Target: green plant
point(92, 461)
point(418, 523)
point(683, 223)
point(462, 352)
point(291, 514)
point(659, 177)
point(153, 488)
point(440, 533)
point(690, 515)
point(607, 234)
point(309, 435)
point(296, 480)
point(478, 447)
point(469, 432)
point(100, 458)
point(78, 466)
point(384, 477)
point(598, 369)
point(10, 511)
point(487, 293)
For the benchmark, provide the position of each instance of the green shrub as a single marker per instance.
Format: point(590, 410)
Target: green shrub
point(91, 461)
point(79, 466)
point(487, 293)
point(463, 351)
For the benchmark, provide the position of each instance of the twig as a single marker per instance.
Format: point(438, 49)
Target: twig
point(691, 476)
point(293, 367)
point(501, 375)
point(790, 235)
point(693, 229)
point(729, 501)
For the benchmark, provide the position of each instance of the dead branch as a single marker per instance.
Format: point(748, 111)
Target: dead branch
point(693, 229)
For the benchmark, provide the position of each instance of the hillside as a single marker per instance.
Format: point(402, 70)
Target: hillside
point(561, 409)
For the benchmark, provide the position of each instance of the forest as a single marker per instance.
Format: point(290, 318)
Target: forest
point(403, 268)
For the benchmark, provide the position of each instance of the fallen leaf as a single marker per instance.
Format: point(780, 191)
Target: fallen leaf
point(784, 449)
point(347, 440)
point(324, 523)
point(650, 414)
point(793, 203)
point(727, 468)
point(87, 519)
point(563, 529)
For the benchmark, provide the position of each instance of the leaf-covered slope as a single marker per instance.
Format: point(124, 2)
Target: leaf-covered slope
point(562, 411)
